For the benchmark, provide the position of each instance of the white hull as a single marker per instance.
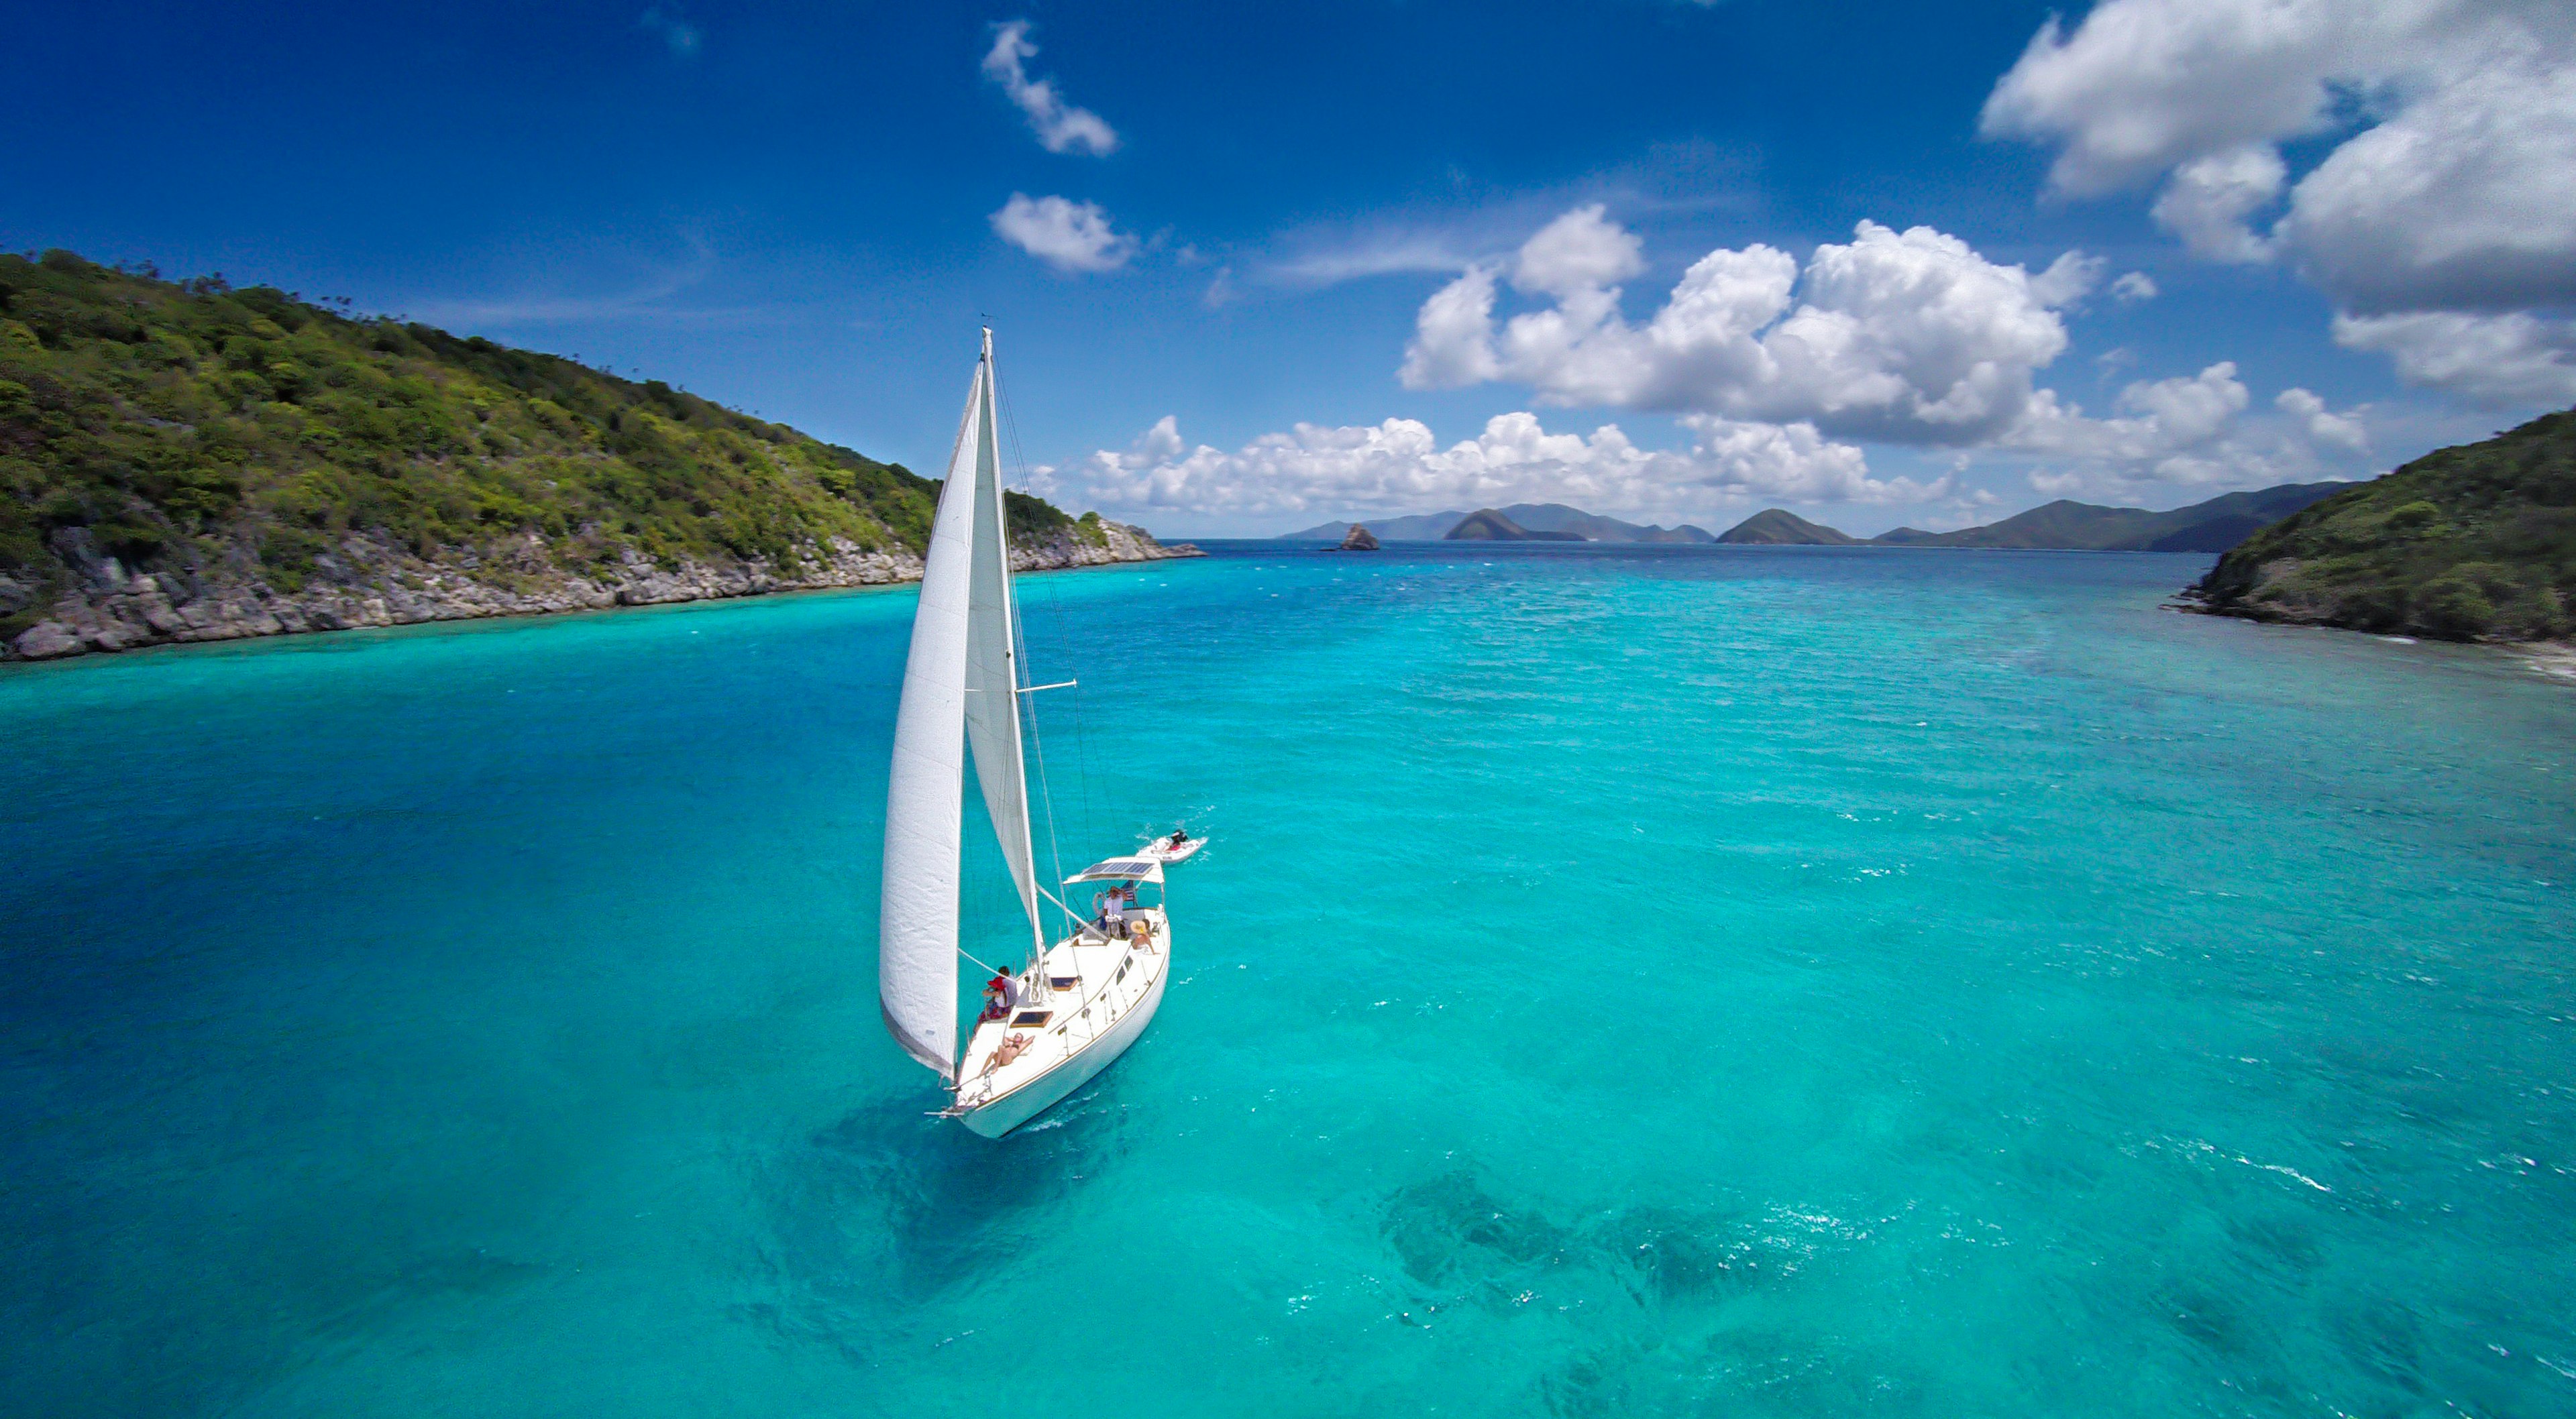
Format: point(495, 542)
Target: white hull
point(1161, 850)
point(1064, 1055)
point(1025, 1103)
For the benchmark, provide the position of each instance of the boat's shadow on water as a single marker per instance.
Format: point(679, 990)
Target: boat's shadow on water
point(887, 1210)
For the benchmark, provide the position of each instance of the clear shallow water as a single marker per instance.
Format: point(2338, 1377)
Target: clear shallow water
point(1624, 981)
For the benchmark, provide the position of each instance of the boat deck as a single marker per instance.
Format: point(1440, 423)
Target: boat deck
point(1092, 985)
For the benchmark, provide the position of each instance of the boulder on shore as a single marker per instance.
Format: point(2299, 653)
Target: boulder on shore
point(1359, 539)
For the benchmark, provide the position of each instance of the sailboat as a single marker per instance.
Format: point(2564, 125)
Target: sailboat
point(1076, 1003)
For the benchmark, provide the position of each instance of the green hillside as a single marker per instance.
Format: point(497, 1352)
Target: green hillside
point(195, 428)
point(2467, 543)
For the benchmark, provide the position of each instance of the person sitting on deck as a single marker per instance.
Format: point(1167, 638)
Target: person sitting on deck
point(997, 996)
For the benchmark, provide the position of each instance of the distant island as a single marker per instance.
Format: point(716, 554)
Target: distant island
point(2476, 542)
point(1490, 525)
point(184, 461)
point(2065, 526)
point(1539, 518)
point(2068, 526)
point(1778, 527)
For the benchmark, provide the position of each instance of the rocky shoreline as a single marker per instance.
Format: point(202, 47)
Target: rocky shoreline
point(371, 581)
point(2550, 659)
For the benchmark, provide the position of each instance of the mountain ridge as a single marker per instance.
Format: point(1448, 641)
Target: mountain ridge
point(1534, 517)
point(2068, 526)
point(1490, 525)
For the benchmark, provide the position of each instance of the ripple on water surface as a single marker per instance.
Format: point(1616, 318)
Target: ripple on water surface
point(1757, 981)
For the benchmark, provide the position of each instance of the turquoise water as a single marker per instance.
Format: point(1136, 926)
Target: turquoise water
point(1654, 981)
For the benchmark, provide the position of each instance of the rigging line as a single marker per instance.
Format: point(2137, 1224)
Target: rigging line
point(1055, 614)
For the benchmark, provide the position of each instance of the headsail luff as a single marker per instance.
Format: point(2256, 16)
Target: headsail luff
point(992, 661)
point(925, 787)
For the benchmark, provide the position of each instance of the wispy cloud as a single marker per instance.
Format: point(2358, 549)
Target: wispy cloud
point(667, 23)
point(1448, 234)
point(1374, 254)
point(647, 301)
point(1061, 128)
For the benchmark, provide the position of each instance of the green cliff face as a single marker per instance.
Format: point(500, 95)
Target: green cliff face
point(2470, 543)
point(242, 435)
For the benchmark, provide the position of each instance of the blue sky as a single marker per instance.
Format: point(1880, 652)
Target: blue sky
point(1251, 268)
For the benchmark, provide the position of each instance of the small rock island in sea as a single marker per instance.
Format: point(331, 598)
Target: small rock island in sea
point(1359, 539)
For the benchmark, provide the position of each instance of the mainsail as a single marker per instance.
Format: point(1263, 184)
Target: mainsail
point(960, 686)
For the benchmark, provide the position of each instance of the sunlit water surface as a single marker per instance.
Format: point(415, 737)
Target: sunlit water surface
point(1735, 981)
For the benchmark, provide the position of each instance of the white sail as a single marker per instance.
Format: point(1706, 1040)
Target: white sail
point(992, 662)
point(925, 789)
point(961, 697)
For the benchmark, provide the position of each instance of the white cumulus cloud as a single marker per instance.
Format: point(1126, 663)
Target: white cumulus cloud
point(2143, 86)
point(2208, 202)
point(2188, 431)
point(2133, 287)
point(1910, 336)
point(2465, 200)
point(2320, 423)
point(1578, 254)
point(2494, 360)
point(2068, 280)
point(1068, 235)
point(2450, 135)
point(1453, 336)
point(1060, 127)
point(1398, 466)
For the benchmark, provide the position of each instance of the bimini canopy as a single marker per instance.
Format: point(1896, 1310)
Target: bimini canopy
point(1120, 869)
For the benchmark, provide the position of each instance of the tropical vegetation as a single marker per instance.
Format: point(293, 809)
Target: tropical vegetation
point(217, 432)
point(2476, 542)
